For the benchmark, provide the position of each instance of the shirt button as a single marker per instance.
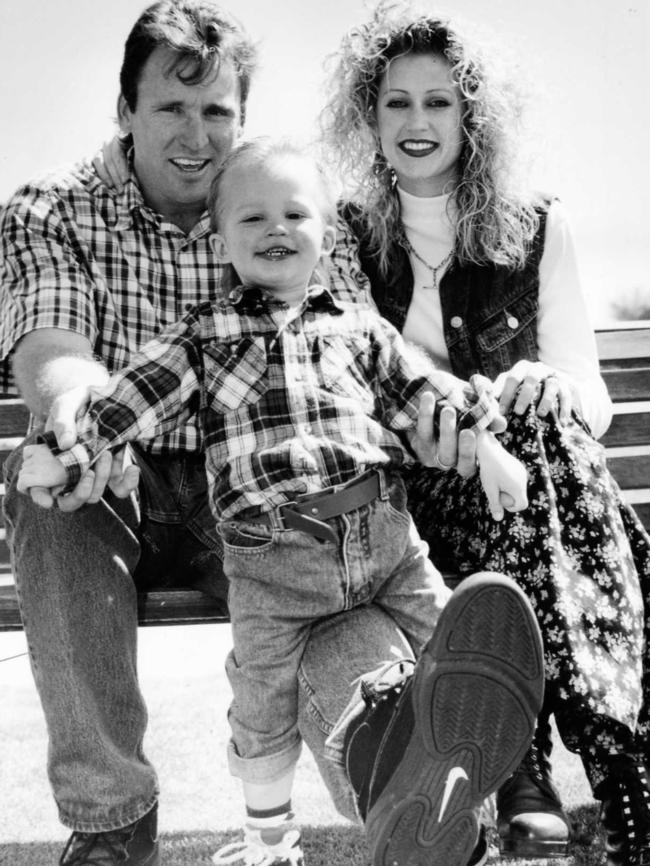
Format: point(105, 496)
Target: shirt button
point(513, 322)
point(456, 322)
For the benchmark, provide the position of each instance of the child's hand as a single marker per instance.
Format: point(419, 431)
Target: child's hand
point(503, 477)
point(112, 165)
point(40, 469)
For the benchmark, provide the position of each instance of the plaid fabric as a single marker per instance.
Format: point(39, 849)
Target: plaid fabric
point(289, 402)
point(77, 256)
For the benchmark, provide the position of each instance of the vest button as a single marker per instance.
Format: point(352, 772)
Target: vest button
point(456, 322)
point(513, 322)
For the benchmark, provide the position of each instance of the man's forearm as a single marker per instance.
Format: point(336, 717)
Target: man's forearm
point(49, 362)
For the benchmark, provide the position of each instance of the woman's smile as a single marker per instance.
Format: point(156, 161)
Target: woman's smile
point(418, 147)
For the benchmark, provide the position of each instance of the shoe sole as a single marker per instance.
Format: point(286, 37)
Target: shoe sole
point(476, 693)
point(533, 849)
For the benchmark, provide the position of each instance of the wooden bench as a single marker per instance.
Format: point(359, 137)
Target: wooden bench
point(624, 351)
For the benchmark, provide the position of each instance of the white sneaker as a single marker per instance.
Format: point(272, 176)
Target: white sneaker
point(271, 846)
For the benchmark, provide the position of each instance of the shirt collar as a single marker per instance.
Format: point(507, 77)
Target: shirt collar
point(256, 301)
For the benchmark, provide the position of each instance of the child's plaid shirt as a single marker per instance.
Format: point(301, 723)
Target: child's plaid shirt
point(289, 401)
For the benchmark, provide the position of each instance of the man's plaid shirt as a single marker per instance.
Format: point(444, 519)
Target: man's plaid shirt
point(289, 401)
point(78, 256)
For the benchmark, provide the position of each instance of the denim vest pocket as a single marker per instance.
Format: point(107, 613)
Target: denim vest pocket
point(509, 335)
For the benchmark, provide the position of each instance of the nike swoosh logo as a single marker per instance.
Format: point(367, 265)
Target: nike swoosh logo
point(455, 775)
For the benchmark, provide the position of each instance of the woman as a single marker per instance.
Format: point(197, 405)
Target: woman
point(484, 279)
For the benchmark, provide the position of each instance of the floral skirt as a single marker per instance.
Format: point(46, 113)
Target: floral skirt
point(583, 558)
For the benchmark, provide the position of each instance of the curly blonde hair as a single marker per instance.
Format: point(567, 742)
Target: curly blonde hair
point(494, 223)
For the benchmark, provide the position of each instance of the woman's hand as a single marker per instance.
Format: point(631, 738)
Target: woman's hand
point(452, 450)
point(532, 382)
point(112, 165)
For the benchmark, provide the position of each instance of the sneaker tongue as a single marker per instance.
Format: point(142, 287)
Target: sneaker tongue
point(369, 763)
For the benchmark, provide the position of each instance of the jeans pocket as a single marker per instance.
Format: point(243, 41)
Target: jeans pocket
point(245, 537)
point(397, 500)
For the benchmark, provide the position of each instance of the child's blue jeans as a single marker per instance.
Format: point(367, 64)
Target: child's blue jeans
point(282, 582)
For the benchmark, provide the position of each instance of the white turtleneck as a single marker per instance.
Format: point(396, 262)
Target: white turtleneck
point(565, 337)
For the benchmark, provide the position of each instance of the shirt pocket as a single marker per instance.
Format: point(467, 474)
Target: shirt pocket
point(236, 374)
point(343, 371)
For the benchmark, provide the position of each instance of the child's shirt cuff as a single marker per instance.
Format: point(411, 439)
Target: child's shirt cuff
point(75, 460)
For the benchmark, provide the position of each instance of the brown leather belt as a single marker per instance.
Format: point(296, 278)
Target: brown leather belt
point(309, 511)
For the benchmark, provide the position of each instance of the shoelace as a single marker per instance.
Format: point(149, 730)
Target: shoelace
point(97, 849)
point(252, 851)
point(391, 678)
point(635, 804)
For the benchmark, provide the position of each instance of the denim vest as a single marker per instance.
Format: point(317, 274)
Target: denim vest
point(489, 311)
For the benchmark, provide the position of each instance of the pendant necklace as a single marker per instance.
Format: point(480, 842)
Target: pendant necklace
point(434, 271)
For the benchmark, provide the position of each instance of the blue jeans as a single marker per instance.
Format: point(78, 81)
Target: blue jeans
point(282, 582)
point(75, 578)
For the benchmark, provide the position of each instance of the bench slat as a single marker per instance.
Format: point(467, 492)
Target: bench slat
point(9, 615)
point(628, 429)
point(14, 417)
point(168, 607)
point(628, 385)
point(630, 468)
point(620, 342)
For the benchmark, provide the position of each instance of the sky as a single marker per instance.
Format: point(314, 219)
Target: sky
point(588, 62)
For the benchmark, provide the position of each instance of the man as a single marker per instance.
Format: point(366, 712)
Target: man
point(89, 275)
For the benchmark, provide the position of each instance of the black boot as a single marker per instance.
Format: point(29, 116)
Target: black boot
point(625, 813)
point(530, 819)
point(426, 752)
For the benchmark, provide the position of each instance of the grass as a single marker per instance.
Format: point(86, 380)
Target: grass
point(181, 670)
point(322, 845)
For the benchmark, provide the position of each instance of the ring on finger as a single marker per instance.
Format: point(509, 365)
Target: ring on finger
point(437, 462)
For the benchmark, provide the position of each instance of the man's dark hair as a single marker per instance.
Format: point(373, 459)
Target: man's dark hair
point(202, 36)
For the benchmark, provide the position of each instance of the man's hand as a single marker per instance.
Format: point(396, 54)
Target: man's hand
point(116, 471)
point(109, 470)
point(451, 450)
point(534, 382)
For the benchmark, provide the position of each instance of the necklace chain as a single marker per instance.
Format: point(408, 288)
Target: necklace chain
point(434, 271)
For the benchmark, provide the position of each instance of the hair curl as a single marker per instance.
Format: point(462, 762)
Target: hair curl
point(494, 222)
